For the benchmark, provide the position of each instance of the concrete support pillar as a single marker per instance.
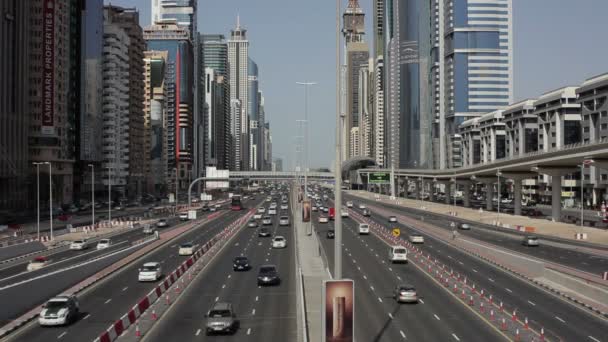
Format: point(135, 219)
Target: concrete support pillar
point(517, 195)
point(432, 191)
point(417, 189)
point(466, 194)
point(489, 195)
point(556, 197)
point(448, 191)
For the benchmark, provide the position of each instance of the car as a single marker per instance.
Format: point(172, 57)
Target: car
point(60, 310)
point(186, 248)
point(405, 294)
point(150, 271)
point(221, 319)
point(367, 213)
point(268, 275)
point(279, 242)
point(267, 221)
point(530, 241)
point(257, 216)
point(325, 209)
point(363, 228)
point(261, 210)
point(79, 245)
point(119, 208)
point(392, 219)
point(148, 229)
point(344, 213)
point(212, 209)
point(323, 219)
point(464, 226)
point(252, 224)
point(183, 216)
point(314, 208)
point(331, 234)
point(104, 243)
point(283, 221)
point(162, 223)
point(397, 254)
point(362, 206)
point(205, 207)
point(416, 238)
point(284, 207)
point(349, 204)
point(217, 206)
point(37, 263)
point(272, 211)
point(240, 263)
point(264, 232)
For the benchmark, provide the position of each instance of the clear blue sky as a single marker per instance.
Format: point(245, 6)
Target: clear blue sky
point(557, 43)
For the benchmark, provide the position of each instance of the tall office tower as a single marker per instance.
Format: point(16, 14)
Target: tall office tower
point(473, 69)
point(262, 155)
point(215, 52)
point(277, 164)
point(14, 106)
point(50, 124)
point(406, 97)
point(379, 134)
point(180, 97)
point(236, 135)
point(217, 141)
point(267, 143)
point(253, 108)
point(378, 28)
point(366, 110)
point(356, 54)
point(155, 109)
point(127, 19)
point(180, 12)
point(238, 64)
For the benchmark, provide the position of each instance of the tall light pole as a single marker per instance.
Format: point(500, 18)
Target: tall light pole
point(307, 155)
point(176, 190)
point(50, 196)
point(338, 166)
point(585, 162)
point(498, 173)
point(92, 194)
point(109, 195)
point(38, 200)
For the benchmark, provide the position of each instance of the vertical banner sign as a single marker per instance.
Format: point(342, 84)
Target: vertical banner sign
point(178, 80)
point(306, 211)
point(339, 310)
point(48, 68)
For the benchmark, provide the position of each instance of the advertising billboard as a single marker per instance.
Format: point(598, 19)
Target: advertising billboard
point(306, 211)
point(212, 172)
point(339, 310)
point(48, 67)
point(379, 178)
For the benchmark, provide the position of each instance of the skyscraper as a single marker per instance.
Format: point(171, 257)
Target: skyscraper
point(379, 151)
point(238, 63)
point(473, 69)
point(253, 108)
point(218, 138)
point(215, 51)
point(180, 12)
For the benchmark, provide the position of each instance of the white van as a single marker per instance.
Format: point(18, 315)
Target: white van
point(397, 254)
point(363, 228)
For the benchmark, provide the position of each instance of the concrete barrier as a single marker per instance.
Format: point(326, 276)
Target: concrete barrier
point(13, 251)
point(587, 289)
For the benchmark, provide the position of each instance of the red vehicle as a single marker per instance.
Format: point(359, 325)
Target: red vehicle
point(236, 203)
point(332, 213)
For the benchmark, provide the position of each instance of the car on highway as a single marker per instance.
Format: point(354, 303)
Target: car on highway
point(162, 223)
point(397, 254)
point(362, 206)
point(279, 242)
point(148, 229)
point(268, 275)
point(349, 204)
point(240, 263)
point(323, 219)
point(252, 224)
point(257, 216)
point(186, 248)
point(331, 234)
point(104, 243)
point(79, 245)
point(272, 211)
point(183, 216)
point(416, 238)
point(267, 221)
point(37, 263)
point(363, 228)
point(392, 219)
point(284, 207)
point(367, 213)
point(60, 310)
point(530, 241)
point(212, 209)
point(314, 208)
point(150, 271)
point(405, 294)
point(326, 209)
point(284, 221)
point(261, 210)
point(464, 226)
point(344, 213)
point(221, 319)
point(264, 232)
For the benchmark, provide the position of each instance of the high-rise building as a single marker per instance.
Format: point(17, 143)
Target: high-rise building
point(215, 52)
point(236, 109)
point(127, 19)
point(379, 147)
point(355, 143)
point(180, 12)
point(218, 138)
point(366, 110)
point(472, 72)
point(14, 105)
point(277, 164)
point(238, 63)
point(263, 156)
point(179, 78)
point(155, 109)
point(378, 28)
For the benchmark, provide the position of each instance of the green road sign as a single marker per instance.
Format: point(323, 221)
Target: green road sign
point(379, 178)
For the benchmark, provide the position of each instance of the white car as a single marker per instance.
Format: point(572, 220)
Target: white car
point(104, 243)
point(349, 204)
point(314, 208)
point(272, 211)
point(362, 206)
point(148, 229)
point(363, 228)
point(279, 242)
point(37, 263)
point(283, 221)
point(186, 249)
point(261, 210)
point(183, 216)
point(60, 310)
point(416, 238)
point(79, 245)
point(392, 219)
point(397, 254)
point(284, 207)
point(266, 221)
point(150, 271)
point(323, 219)
point(345, 213)
point(257, 216)
point(161, 223)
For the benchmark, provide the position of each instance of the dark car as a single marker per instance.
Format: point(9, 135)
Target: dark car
point(241, 263)
point(264, 232)
point(331, 234)
point(268, 275)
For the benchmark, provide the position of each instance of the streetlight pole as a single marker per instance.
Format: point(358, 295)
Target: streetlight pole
point(92, 194)
point(498, 195)
point(337, 166)
point(38, 200)
point(585, 162)
point(109, 195)
point(307, 154)
point(50, 196)
point(176, 191)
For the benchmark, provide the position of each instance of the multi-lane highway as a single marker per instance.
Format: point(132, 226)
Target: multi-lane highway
point(265, 313)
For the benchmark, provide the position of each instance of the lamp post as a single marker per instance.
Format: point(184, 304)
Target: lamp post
point(337, 166)
point(92, 194)
point(582, 166)
point(50, 196)
point(109, 195)
point(306, 166)
point(38, 200)
point(498, 174)
point(176, 191)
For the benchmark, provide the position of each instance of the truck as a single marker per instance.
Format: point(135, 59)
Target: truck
point(332, 213)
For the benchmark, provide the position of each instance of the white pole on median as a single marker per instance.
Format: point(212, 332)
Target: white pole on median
point(338, 163)
point(50, 196)
point(38, 200)
point(92, 194)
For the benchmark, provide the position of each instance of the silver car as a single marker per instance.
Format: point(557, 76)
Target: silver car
point(284, 221)
point(406, 294)
point(221, 319)
point(530, 241)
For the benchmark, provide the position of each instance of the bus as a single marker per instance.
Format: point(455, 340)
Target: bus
point(236, 203)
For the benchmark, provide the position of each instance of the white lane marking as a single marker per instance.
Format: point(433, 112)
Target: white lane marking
point(508, 290)
point(107, 301)
point(390, 269)
point(390, 315)
point(62, 334)
point(437, 317)
point(474, 270)
point(460, 262)
point(365, 277)
point(217, 298)
point(125, 289)
point(490, 279)
point(197, 332)
point(223, 286)
point(421, 301)
point(559, 319)
point(380, 299)
point(256, 298)
point(449, 256)
point(253, 312)
point(402, 334)
point(87, 316)
point(371, 287)
point(230, 275)
point(249, 331)
point(593, 338)
point(456, 337)
point(398, 277)
point(531, 303)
